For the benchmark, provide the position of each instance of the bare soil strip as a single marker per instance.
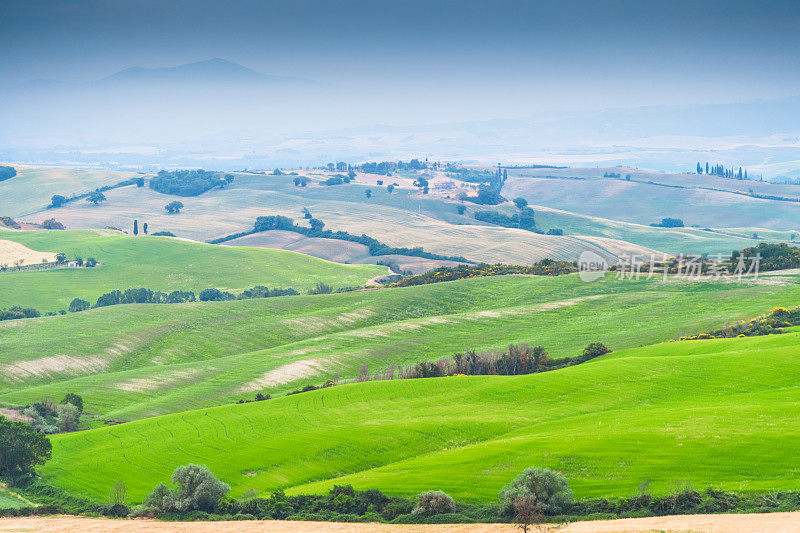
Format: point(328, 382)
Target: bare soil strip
point(721, 523)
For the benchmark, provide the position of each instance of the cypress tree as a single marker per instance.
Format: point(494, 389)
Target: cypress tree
point(136, 227)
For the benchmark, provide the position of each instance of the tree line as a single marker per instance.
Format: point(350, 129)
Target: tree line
point(544, 267)
point(517, 360)
point(96, 196)
point(722, 171)
point(316, 229)
point(148, 296)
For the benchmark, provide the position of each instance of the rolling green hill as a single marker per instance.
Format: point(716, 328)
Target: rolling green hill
point(407, 218)
point(160, 263)
point(649, 197)
point(717, 412)
point(31, 189)
point(135, 361)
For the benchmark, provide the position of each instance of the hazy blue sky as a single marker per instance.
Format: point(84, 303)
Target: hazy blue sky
point(556, 54)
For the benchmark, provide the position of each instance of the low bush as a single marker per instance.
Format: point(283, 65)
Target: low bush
point(434, 502)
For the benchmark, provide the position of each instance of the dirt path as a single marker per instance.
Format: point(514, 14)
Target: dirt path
point(743, 523)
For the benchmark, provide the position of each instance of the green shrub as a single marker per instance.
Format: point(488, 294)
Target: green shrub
point(434, 502)
point(546, 488)
point(160, 500)
point(198, 489)
point(77, 305)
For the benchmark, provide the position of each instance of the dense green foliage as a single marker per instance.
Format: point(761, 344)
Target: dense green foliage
point(668, 223)
point(21, 449)
point(7, 173)
point(17, 312)
point(197, 489)
point(186, 182)
point(772, 257)
point(545, 267)
point(174, 207)
point(545, 489)
point(96, 197)
point(524, 219)
point(487, 195)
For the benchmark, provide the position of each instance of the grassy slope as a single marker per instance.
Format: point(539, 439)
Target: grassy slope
point(402, 218)
point(669, 240)
point(160, 263)
point(11, 500)
point(644, 203)
point(720, 412)
point(136, 361)
point(31, 189)
point(425, 221)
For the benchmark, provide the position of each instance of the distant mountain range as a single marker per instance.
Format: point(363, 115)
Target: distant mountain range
point(197, 112)
point(210, 72)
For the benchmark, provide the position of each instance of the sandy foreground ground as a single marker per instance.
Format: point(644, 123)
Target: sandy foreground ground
point(743, 523)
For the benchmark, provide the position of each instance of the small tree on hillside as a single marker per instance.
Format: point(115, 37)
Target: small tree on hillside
point(544, 488)
point(136, 227)
point(77, 305)
point(174, 207)
point(526, 512)
point(57, 200)
point(198, 489)
point(73, 399)
point(144, 228)
point(68, 417)
point(96, 197)
point(595, 349)
point(434, 502)
point(520, 202)
point(368, 193)
point(461, 209)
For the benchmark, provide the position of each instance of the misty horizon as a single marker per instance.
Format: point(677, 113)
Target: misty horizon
point(280, 84)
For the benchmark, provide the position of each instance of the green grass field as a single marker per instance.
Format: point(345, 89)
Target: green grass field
point(31, 189)
point(691, 241)
point(11, 500)
point(160, 263)
point(138, 361)
point(717, 413)
point(645, 203)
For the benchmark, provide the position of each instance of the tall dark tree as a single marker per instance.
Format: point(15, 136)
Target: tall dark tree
point(144, 228)
point(136, 227)
point(21, 449)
